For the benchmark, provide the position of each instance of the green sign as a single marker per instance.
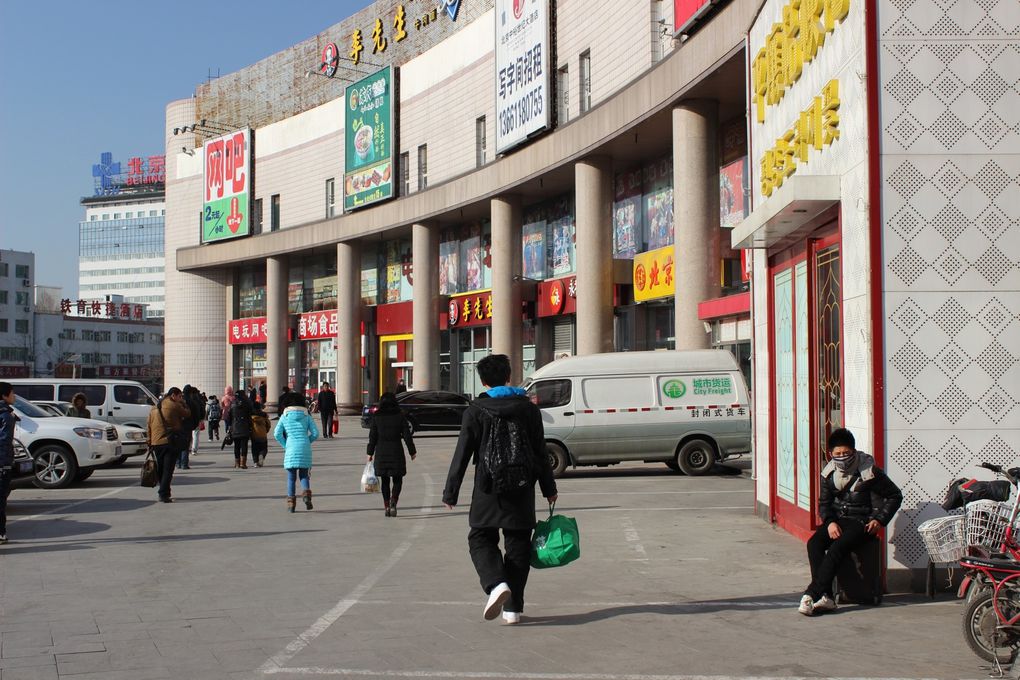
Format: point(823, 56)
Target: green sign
point(369, 140)
point(674, 389)
point(713, 386)
point(226, 164)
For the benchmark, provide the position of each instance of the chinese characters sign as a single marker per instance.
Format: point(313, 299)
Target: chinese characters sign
point(522, 71)
point(816, 128)
point(654, 274)
point(228, 186)
point(368, 140)
point(558, 296)
point(122, 371)
point(317, 325)
point(100, 308)
point(700, 390)
point(142, 172)
point(251, 331)
point(473, 309)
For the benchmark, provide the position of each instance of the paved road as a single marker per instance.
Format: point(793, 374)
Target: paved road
point(677, 580)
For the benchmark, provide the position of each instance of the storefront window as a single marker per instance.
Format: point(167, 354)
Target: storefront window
point(547, 239)
point(465, 260)
point(643, 209)
point(661, 327)
point(251, 293)
point(370, 277)
point(295, 290)
point(399, 274)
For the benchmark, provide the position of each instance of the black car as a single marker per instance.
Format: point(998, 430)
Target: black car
point(426, 410)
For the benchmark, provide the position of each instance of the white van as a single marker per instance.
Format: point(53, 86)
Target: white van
point(124, 402)
point(687, 409)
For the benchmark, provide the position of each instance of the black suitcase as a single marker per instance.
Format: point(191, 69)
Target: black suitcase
point(859, 579)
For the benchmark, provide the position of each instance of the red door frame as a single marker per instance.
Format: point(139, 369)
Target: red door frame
point(790, 516)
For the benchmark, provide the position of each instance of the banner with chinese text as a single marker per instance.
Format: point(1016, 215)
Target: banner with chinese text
point(228, 186)
point(317, 325)
point(654, 274)
point(472, 309)
point(523, 104)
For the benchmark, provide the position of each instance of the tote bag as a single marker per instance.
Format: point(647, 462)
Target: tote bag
point(556, 541)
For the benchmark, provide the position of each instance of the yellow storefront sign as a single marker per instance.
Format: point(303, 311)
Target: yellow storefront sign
point(816, 128)
point(654, 274)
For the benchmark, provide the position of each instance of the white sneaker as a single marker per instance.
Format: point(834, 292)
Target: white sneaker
point(826, 604)
point(511, 618)
point(3, 538)
point(497, 598)
point(807, 606)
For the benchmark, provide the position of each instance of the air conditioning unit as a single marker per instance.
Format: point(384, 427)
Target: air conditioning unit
point(26, 282)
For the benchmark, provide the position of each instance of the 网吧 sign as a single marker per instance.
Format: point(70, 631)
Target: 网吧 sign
point(227, 186)
point(368, 140)
point(522, 71)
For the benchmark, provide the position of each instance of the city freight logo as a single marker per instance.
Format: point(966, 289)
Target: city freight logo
point(674, 389)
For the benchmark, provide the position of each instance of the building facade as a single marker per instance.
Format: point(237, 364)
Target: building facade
point(17, 308)
point(121, 239)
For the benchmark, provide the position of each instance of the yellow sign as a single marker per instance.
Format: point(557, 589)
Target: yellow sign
point(817, 127)
point(654, 274)
point(792, 43)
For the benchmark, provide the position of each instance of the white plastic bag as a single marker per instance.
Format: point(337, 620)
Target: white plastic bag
point(369, 482)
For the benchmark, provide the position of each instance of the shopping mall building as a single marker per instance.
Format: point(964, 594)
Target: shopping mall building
point(414, 188)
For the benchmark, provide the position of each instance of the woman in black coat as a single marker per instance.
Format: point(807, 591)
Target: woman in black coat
point(384, 447)
point(240, 428)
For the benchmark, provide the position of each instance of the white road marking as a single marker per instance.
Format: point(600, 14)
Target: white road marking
point(59, 509)
point(694, 509)
point(356, 672)
point(275, 663)
point(631, 534)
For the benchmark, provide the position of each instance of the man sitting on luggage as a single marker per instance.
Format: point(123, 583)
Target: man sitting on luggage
point(855, 501)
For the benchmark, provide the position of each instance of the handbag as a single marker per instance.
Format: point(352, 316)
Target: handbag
point(177, 441)
point(556, 541)
point(369, 481)
point(150, 471)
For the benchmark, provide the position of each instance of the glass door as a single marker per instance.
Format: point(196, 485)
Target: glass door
point(395, 361)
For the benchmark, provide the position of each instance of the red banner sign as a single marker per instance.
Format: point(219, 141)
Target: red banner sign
point(473, 309)
point(247, 331)
point(558, 296)
point(14, 372)
point(317, 325)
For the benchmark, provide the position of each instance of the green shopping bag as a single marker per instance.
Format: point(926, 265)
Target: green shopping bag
point(556, 541)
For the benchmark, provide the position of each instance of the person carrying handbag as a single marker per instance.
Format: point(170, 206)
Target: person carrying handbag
point(167, 437)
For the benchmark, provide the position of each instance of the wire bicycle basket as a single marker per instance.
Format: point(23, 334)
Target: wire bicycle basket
point(986, 523)
point(944, 538)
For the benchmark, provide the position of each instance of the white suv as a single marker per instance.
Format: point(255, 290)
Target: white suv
point(65, 450)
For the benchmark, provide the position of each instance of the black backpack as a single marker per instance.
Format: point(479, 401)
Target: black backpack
point(215, 412)
point(507, 458)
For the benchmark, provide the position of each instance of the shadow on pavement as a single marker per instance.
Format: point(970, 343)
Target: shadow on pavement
point(754, 602)
point(83, 544)
point(35, 507)
point(55, 527)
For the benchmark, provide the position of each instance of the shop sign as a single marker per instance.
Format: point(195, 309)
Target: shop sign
point(733, 202)
point(99, 308)
point(122, 371)
point(522, 71)
point(816, 128)
point(791, 44)
point(251, 331)
point(141, 172)
point(369, 140)
point(228, 186)
point(687, 12)
point(317, 325)
point(558, 296)
point(14, 372)
point(400, 23)
point(654, 274)
point(472, 309)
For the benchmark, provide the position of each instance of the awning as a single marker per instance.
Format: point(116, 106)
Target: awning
point(789, 213)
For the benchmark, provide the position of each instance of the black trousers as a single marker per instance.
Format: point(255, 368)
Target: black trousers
point(240, 447)
point(166, 459)
point(259, 447)
point(327, 425)
point(826, 555)
point(495, 567)
point(5, 490)
point(384, 484)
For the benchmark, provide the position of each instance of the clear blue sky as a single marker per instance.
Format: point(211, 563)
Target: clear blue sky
point(80, 78)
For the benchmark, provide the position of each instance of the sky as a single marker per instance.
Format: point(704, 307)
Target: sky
point(80, 78)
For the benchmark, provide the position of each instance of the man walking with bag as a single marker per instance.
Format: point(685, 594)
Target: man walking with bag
point(168, 436)
point(502, 434)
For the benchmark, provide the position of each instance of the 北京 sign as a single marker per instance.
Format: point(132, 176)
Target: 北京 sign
point(522, 71)
point(369, 140)
point(228, 186)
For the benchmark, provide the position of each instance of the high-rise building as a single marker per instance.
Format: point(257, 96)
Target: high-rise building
point(120, 240)
point(17, 275)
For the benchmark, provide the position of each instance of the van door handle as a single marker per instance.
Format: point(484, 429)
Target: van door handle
point(116, 408)
point(568, 413)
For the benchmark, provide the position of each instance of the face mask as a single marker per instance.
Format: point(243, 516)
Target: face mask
point(845, 463)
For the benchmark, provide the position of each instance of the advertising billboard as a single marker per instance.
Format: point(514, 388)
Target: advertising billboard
point(369, 140)
point(227, 178)
point(687, 12)
point(522, 71)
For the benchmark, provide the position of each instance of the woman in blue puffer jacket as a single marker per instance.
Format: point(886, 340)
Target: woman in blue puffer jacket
point(296, 431)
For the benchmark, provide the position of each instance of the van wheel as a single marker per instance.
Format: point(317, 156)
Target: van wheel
point(55, 467)
point(696, 457)
point(558, 459)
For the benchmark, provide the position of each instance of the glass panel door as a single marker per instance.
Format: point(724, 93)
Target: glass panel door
point(804, 475)
point(829, 299)
point(784, 376)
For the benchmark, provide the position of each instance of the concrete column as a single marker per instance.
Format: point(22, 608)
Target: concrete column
point(348, 327)
point(593, 180)
point(425, 307)
point(696, 211)
point(276, 330)
point(506, 282)
point(230, 368)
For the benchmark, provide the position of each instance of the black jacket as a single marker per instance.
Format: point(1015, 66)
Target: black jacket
point(489, 510)
point(196, 411)
point(384, 445)
point(869, 495)
point(7, 421)
point(327, 401)
point(240, 418)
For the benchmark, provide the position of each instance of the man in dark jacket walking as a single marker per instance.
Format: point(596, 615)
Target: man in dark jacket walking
point(503, 577)
point(240, 429)
point(855, 501)
point(7, 421)
point(327, 409)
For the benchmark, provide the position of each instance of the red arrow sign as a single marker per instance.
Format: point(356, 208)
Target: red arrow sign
point(235, 218)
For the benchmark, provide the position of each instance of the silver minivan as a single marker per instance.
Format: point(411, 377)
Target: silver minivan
point(123, 402)
point(687, 409)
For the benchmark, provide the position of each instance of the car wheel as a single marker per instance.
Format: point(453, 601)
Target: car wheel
point(55, 467)
point(558, 459)
point(118, 461)
point(696, 457)
point(83, 474)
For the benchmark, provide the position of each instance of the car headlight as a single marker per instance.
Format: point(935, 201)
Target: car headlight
point(89, 432)
point(135, 435)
